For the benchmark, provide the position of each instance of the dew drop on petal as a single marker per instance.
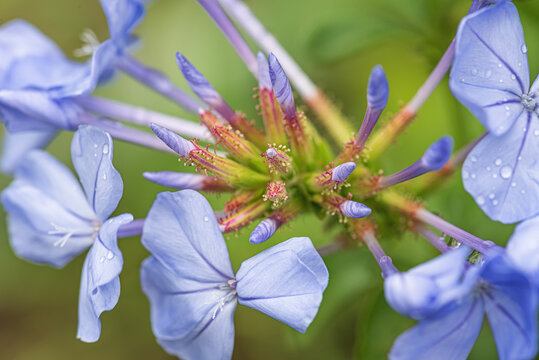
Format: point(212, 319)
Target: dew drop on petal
point(465, 174)
point(206, 218)
point(499, 65)
point(513, 76)
point(494, 176)
point(95, 154)
point(494, 202)
point(102, 259)
point(473, 159)
point(491, 196)
point(110, 255)
point(488, 168)
point(498, 162)
point(104, 176)
point(506, 172)
point(480, 200)
point(473, 176)
point(105, 149)
point(524, 48)
point(513, 184)
point(522, 191)
point(95, 146)
point(488, 74)
point(536, 132)
point(501, 81)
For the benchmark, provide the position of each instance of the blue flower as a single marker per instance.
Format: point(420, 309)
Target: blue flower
point(39, 84)
point(523, 248)
point(451, 308)
point(193, 290)
point(490, 76)
point(51, 219)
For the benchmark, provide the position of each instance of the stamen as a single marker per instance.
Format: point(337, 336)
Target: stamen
point(90, 43)
point(68, 233)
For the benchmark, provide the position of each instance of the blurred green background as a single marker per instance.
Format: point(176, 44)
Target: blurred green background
point(337, 43)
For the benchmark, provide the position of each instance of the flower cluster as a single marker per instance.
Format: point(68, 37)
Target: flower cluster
point(273, 176)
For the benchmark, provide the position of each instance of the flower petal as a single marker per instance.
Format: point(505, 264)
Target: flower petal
point(182, 233)
point(490, 70)
point(523, 248)
point(502, 173)
point(122, 17)
point(17, 145)
point(511, 307)
point(213, 339)
point(91, 152)
point(177, 304)
point(450, 336)
point(100, 282)
point(280, 285)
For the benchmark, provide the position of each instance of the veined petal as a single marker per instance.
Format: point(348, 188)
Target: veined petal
point(177, 304)
point(511, 307)
point(523, 248)
point(17, 145)
point(213, 339)
point(182, 233)
point(32, 220)
point(100, 282)
point(449, 337)
point(502, 173)
point(122, 17)
point(91, 152)
point(490, 70)
point(280, 285)
point(43, 172)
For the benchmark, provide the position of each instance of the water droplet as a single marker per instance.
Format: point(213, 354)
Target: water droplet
point(206, 218)
point(506, 172)
point(480, 200)
point(461, 79)
point(499, 65)
point(95, 146)
point(513, 184)
point(536, 132)
point(498, 162)
point(474, 71)
point(488, 74)
point(494, 176)
point(465, 174)
point(494, 202)
point(110, 255)
point(473, 159)
point(513, 76)
point(491, 196)
point(488, 168)
point(524, 129)
point(519, 64)
point(501, 81)
point(104, 176)
point(105, 149)
point(507, 107)
point(474, 176)
point(522, 191)
point(519, 158)
point(102, 259)
point(95, 154)
point(524, 48)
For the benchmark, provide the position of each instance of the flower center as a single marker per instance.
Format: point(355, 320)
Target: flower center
point(529, 101)
point(230, 293)
point(67, 233)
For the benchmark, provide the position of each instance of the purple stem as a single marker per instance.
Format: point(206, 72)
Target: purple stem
point(369, 121)
point(134, 228)
point(455, 232)
point(433, 80)
point(213, 9)
point(159, 82)
point(412, 171)
point(434, 239)
point(140, 116)
point(380, 256)
point(124, 133)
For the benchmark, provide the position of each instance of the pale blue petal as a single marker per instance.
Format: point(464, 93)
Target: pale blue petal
point(122, 17)
point(304, 250)
point(100, 282)
point(213, 339)
point(182, 233)
point(33, 218)
point(490, 70)
point(280, 285)
point(534, 90)
point(177, 304)
point(523, 248)
point(17, 145)
point(427, 288)
point(91, 152)
point(502, 173)
point(43, 172)
point(511, 307)
point(450, 336)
